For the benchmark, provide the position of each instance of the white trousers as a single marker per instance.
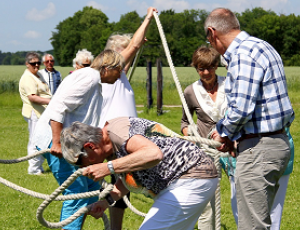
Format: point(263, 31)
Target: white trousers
point(35, 164)
point(277, 208)
point(178, 206)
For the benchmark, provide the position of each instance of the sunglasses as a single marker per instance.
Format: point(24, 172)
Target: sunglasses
point(49, 61)
point(35, 63)
point(203, 69)
point(85, 65)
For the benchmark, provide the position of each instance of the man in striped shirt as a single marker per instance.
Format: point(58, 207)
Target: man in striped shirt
point(50, 75)
point(258, 111)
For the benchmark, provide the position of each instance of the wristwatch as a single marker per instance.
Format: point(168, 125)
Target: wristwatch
point(110, 166)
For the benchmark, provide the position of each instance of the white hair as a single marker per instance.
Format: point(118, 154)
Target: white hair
point(47, 55)
point(118, 42)
point(81, 56)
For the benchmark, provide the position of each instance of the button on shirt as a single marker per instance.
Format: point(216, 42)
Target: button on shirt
point(256, 89)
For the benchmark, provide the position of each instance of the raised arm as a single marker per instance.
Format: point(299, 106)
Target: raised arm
point(138, 38)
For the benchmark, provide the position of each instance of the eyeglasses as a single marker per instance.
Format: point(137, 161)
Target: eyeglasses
point(85, 65)
point(203, 69)
point(80, 157)
point(79, 161)
point(49, 61)
point(35, 63)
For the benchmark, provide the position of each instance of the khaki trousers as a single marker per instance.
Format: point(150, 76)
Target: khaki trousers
point(260, 163)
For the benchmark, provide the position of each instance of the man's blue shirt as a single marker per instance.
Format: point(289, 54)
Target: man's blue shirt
point(256, 89)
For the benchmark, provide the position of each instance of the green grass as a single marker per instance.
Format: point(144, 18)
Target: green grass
point(18, 210)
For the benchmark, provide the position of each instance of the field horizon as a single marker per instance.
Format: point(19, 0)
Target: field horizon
point(19, 210)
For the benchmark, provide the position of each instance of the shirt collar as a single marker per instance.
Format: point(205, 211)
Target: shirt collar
point(234, 44)
point(49, 71)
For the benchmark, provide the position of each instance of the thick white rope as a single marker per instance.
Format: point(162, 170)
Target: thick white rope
point(45, 196)
point(44, 205)
point(26, 158)
point(184, 104)
point(177, 83)
point(81, 195)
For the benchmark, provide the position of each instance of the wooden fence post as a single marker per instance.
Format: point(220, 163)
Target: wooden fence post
point(159, 87)
point(149, 84)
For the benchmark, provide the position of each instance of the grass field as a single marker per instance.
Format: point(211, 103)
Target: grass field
point(18, 210)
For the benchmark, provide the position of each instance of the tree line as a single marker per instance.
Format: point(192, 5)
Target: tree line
point(90, 29)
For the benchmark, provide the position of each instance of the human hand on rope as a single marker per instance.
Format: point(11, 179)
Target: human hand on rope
point(227, 145)
point(56, 150)
point(150, 12)
point(96, 171)
point(98, 209)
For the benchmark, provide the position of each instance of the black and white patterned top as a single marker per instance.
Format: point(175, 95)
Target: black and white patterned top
point(180, 156)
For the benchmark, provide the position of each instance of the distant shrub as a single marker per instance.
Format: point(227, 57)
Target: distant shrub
point(9, 86)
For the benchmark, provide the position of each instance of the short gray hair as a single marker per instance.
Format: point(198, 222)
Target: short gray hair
point(45, 55)
point(31, 55)
point(73, 138)
point(118, 42)
point(82, 55)
point(223, 20)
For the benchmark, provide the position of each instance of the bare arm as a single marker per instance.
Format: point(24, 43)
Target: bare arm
point(56, 146)
point(38, 100)
point(138, 38)
point(143, 154)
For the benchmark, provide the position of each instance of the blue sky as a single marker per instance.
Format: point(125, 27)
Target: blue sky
point(28, 25)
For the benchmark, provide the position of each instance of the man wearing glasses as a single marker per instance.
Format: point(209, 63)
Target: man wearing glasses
point(50, 75)
point(259, 109)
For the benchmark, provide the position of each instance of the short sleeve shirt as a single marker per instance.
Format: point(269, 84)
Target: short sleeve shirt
point(182, 159)
point(30, 84)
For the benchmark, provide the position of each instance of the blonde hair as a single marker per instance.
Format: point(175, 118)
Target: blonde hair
point(118, 42)
point(108, 59)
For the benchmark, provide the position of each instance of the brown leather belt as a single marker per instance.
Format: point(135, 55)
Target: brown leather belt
point(253, 135)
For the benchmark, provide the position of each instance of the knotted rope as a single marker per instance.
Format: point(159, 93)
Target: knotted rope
point(84, 210)
point(55, 195)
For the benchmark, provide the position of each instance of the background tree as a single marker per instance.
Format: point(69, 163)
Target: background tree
point(88, 29)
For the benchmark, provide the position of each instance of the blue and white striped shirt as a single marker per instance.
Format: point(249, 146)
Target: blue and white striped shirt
point(53, 79)
point(256, 89)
